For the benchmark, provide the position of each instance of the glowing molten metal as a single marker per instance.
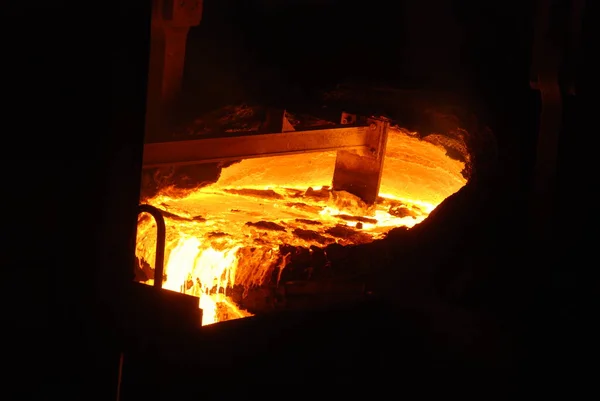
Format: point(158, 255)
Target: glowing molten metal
point(229, 233)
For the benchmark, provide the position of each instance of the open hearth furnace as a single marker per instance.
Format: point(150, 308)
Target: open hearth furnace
point(255, 206)
point(266, 233)
point(321, 239)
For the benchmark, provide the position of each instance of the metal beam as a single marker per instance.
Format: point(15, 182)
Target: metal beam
point(362, 140)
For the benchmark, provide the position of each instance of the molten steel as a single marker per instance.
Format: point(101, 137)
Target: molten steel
point(229, 232)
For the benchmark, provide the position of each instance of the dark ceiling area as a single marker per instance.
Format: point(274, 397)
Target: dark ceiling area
point(296, 47)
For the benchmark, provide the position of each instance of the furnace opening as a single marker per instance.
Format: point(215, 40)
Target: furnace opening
point(233, 241)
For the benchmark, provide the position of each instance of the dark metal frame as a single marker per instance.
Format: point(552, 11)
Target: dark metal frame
point(161, 235)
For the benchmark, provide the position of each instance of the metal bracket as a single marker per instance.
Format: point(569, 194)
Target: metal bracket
point(359, 173)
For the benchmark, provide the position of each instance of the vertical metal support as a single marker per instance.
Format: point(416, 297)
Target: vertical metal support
point(556, 38)
point(546, 59)
point(120, 377)
point(161, 236)
point(360, 173)
point(171, 22)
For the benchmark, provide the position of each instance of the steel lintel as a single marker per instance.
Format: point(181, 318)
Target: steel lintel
point(362, 140)
point(359, 163)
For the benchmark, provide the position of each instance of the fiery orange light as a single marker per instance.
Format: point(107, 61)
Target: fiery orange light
point(262, 203)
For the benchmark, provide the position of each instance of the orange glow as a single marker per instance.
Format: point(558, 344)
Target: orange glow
point(259, 204)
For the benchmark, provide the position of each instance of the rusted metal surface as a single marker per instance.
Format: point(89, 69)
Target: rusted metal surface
point(360, 172)
point(245, 146)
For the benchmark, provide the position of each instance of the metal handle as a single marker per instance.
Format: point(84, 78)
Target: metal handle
point(161, 235)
